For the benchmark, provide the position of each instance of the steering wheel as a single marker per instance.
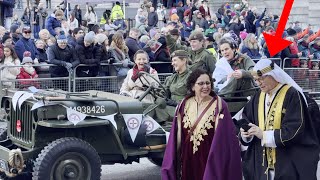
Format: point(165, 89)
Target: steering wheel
point(156, 91)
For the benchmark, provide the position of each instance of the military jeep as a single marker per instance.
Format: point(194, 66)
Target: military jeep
point(43, 144)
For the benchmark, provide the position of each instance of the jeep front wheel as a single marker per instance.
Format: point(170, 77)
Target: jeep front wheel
point(156, 161)
point(66, 159)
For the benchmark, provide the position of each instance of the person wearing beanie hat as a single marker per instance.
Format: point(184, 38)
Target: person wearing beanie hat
point(243, 35)
point(62, 38)
point(89, 37)
point(27, 71)
point(65, 58)
point(14, 28)
point(250, 47)
point(100, 38)
point(200, 57)
point(88, 54)
point(7, 40)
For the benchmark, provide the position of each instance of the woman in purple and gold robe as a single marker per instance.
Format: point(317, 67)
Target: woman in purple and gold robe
point(203, 142)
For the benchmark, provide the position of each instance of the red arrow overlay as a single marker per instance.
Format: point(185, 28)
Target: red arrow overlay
point(276, 43)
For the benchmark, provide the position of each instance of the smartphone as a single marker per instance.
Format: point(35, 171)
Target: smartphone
point(245, 127)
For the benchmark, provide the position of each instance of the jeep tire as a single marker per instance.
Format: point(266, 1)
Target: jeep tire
point(156, 161)
point(67, 158)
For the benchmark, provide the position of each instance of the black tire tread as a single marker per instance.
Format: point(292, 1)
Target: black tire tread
point(59, 145)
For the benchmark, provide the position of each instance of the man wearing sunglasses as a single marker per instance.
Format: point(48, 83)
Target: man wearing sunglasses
point(25, 43)
point(281, 140)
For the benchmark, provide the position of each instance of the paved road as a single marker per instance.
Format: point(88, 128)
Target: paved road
point(144, 170)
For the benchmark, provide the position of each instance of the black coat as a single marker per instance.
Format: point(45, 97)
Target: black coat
point(78, 15)
point(162, 55)
point(42, 55)
point(133, 46)
point(90, 55)
point(152, 19)
point(236, 27)
point(59, 57)
point(297, 151)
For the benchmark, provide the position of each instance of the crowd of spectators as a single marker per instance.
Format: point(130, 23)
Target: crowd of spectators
point(67, 39)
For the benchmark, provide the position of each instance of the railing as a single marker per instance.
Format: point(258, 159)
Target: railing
point(306, 77)
point(72, 82)
point(42, 83)
point(277, 61)
point(290, 59)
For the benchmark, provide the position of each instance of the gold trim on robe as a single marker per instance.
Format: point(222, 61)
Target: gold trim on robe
point(272, 122)
point(206, 123)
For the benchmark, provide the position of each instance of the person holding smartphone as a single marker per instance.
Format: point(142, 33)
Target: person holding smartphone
point(281, 141)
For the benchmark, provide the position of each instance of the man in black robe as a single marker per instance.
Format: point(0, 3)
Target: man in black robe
point(281, 140)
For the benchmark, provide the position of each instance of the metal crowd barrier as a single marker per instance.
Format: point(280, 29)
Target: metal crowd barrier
point(63, 83)
point(278, 61)
point(110, 83)
point(72, 83)
point(289, 59)
point(307, 77)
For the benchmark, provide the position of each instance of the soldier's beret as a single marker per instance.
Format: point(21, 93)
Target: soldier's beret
point(196, 35)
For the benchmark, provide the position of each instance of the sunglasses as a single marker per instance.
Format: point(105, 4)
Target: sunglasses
point(27, 32)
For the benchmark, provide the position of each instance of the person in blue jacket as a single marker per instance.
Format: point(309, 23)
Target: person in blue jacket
point(25, 43)
point(54, 21)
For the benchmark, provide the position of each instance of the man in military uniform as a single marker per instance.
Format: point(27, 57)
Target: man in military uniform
point(200, 57)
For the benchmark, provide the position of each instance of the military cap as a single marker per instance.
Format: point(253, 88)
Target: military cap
point(179, 53)
point(196, 35)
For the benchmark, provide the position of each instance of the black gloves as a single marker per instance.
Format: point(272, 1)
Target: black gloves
point(68, 66)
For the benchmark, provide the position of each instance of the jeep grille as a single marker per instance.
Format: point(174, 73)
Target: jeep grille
point(25, 116)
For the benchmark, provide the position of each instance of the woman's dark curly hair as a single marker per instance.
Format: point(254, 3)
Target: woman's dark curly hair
point(192, 79)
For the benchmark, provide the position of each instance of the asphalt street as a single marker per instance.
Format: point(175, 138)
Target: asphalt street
point(144, 170)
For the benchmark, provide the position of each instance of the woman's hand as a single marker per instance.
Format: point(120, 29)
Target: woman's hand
point(237, 74)
point(255, 131)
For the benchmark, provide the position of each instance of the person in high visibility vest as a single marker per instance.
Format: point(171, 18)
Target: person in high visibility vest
point(105, 17)
point(209, 45)
point(116, 10)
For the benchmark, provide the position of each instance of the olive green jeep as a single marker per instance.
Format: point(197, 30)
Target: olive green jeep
point(47, 139)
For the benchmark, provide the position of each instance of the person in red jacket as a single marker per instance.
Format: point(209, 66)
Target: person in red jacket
point(27, 72)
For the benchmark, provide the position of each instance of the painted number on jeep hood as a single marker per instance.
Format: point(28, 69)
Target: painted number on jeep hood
point(90, 109)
